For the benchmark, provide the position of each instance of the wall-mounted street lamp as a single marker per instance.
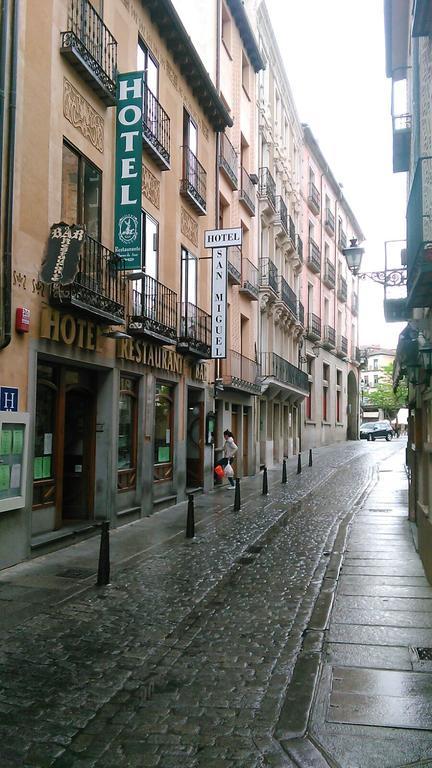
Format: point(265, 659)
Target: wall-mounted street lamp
point(386, 277)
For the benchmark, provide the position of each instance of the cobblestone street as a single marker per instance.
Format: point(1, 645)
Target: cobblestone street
point(185, 659)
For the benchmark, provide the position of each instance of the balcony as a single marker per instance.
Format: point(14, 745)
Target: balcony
point(249, 285)
point(288, 297)
point(314, 198)
point(195, 331)
point(313, 331)
point(314, 257)
point(281, 218)
point(193, 183)
point(419, 236)
point(153, 311)
point(156, 130)
point(240, 372)
point(329, 278)
point(329, 337)
point(329, 222)
point(342, 347)
point(267, 191)
point(401, 143)
point(301, 314)
point(247, 192)
point(355, 355)
point(342, 292)
point(282, 372)
point(234, 264)
point(91, 49)
point(342, 240)
point(268, 275)
point(354, 304)
point(228, 161)
point(299, 248)
point(99, 287)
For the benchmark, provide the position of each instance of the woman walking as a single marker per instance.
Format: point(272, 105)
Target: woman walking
point(230, 449)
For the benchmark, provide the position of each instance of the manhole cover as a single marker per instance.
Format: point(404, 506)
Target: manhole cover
point(75, 573)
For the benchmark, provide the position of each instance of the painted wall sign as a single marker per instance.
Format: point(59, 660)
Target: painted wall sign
point(8, 398)
point(138, 351)
point(70, 330)
point(127, 219)
point(61, 260)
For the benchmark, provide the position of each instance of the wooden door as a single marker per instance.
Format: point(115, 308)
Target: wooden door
point(195, 444)
point(245, 441)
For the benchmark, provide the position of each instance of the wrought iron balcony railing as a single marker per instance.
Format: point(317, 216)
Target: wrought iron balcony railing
point(314, 326)
point(329, 274)
point(228, 160)
point(156, 130)
point(288, 296)
point(274, 366)
point(301, 313)
point(268, 275)
point(329, 221)
point(91, 49)
point(247, 192)
point(342, 291)
point(240, 372)
point(282, 214)
point(342, 346)
point(299, 248)
point(314, 256)
point(193, 183)
point(153, 310)
point(267, 187)
point(419, 236)
point(314, 198)
point(357, 355)
point(99, 287)
point(329, 337)
point(234, 264)
point(195, 331)
point(342, 240)
point(249, 280)
point(292, 232)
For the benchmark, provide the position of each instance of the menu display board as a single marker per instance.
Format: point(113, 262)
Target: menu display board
point(13, 459)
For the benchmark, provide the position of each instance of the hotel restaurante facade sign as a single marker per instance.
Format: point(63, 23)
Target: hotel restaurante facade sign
point(127, 219)
point(219, 240)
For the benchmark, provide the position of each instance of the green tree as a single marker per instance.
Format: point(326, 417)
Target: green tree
point(385, 398)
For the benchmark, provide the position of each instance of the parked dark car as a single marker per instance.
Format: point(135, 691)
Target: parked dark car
point(376, 429)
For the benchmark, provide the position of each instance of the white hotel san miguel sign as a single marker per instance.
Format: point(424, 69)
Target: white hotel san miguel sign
point(127, 222)
point(219, 240)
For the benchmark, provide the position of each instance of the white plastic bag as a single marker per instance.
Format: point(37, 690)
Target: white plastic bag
point(228, 471)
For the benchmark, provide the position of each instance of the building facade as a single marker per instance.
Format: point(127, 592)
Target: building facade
point(408, 30)
point(106, 427)
point(330, 299)
point(374, 361)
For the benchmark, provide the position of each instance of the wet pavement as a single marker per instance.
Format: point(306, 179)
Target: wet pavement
point(279, 636)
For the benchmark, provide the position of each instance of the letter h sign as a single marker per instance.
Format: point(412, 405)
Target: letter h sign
point(8, 398)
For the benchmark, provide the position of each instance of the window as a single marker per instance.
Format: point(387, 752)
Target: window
point(245, 74)
point(148, 64)
point(188, 277)
point(326, 377)
point(163, 441)
point(226, 28)
point(190, 133)
point(376, 380)
point(127, 434)
point(375, 364)
point(45, 436)
point(338, 396)
point(81, 192)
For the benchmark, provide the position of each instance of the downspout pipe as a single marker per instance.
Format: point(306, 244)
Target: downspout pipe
point(10, 160)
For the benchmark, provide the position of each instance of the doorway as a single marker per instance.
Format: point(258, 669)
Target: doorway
point(195, 440)
point(78, 454)
point(245, 439)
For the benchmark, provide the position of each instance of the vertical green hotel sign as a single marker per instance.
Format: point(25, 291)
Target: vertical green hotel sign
point(127, 218)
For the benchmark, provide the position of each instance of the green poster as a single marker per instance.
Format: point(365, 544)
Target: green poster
point(4, 477)
point(5, 442)
point(46, 466)
point(18, 441)
point(38, 468)
point(163, 453)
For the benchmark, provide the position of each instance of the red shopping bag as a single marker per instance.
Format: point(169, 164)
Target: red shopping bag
point(219, 471)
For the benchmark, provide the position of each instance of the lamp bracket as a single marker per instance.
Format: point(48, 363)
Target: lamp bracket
point(387, 276)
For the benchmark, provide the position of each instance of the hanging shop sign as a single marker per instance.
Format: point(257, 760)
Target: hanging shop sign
point(138, 351)
point(60, 264)
point(219, 240)
point(127, 221)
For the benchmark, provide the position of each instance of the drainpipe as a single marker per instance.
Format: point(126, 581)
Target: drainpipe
point(10, 147)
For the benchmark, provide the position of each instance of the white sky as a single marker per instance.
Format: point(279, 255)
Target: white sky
point(334, 55)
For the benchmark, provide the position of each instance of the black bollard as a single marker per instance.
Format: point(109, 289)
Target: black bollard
point(299, 464)
point(190, 523)
point(237, 495)
point(103, 576)
point(265, 483)
point(310, 457)
point(284, 472)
